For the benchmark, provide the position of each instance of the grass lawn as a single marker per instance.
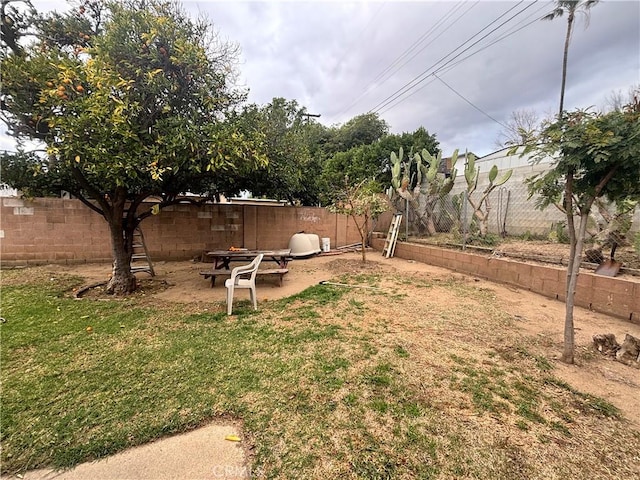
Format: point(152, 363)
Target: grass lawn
point(330, 383)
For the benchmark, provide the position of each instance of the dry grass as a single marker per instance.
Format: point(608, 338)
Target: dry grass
point(422, 377)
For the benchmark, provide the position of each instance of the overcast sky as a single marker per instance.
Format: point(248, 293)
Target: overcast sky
point(342, 59)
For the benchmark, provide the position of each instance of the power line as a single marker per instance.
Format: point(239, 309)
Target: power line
point(412, 47)
point(424, 75)
point(446, 67)
point(424, 37)
point(397, 97)
point(507, 34)
point(469, 101)
point(407, 97)
point(370, 85)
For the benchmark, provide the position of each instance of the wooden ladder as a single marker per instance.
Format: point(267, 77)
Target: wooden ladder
point(392, 236)
point(140, 253)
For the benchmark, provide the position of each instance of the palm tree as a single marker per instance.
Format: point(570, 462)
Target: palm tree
point(571, 8)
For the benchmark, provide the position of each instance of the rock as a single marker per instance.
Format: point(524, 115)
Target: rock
point(606, 343)
point(629, 352)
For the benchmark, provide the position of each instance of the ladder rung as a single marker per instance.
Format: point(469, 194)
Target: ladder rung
point(140, 269)
point(140, 253)
point(392, 236)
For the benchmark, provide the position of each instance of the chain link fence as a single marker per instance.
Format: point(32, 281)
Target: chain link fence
point(508, 212)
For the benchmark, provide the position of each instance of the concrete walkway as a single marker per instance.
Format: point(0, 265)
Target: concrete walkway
point(200, 454)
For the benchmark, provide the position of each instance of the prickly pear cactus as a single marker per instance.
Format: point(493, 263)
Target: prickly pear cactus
point(433, 183)
point(471, 173)
point(482, 207)
point(396, 169)
point(425, 188)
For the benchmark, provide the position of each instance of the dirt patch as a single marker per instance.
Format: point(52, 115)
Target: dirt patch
point(145, 286)
point(537, 318)
point(538, 252)
point(559, 251)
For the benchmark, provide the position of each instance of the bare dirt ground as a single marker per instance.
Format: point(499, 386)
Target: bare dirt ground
point(560, 252)
point(540, 251)
point(535, 316)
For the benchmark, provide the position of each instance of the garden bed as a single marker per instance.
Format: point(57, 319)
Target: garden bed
point(537, 251)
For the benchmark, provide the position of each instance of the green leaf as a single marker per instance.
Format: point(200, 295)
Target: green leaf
point(493, 173)
point(502, 180)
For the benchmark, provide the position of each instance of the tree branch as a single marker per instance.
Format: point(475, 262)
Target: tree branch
point(89, 204)
point(605, 180)
point(94, 193)
point(173, 201)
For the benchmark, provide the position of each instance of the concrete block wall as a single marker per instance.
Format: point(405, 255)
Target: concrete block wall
point(53, 230)
point(185, 231)
point(619, 297)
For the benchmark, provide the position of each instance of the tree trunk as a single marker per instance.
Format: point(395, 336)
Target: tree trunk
point(482, 221)
point(479, 214)
point(122, 280)
point(484, 225)
point(564, 61)
point(422, 224)
point(427, 217)
point(364, 233)
point(363, 230)
point(484, 228)
point(567, 355)
point(572, 281)
point(415, 208)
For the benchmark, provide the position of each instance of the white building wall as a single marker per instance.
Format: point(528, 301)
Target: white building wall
point(512, 198)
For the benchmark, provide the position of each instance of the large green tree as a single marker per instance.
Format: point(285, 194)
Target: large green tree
point(130, 99)
point(596, 155)
point(570, 8)
point(290, 166)
point(360, 130)
point(371, 161)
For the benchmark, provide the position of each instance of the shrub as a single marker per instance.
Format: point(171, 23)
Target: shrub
point(559, 233)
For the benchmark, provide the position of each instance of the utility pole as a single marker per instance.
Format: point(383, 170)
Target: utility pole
point(316, 115)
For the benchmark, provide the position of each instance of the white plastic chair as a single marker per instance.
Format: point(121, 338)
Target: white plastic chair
point(237, 281)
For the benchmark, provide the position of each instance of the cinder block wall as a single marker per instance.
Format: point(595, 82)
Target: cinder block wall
point(614, 296)
point(53, 230)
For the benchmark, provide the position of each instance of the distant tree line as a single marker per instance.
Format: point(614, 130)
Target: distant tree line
point(308, 162)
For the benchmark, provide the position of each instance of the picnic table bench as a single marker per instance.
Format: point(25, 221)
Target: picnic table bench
point(222, 259)
point(281, 272)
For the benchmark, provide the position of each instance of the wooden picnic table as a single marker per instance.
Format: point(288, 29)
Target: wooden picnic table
point(222, 259)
